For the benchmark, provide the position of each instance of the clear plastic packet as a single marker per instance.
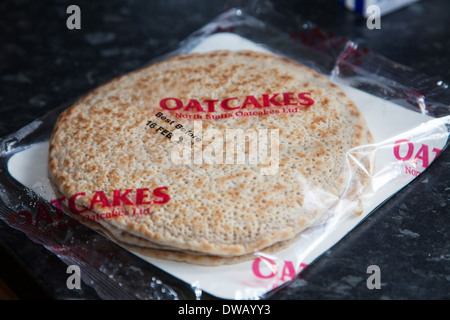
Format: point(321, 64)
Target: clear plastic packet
point(407, 113)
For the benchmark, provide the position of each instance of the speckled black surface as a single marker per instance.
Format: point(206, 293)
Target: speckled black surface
point(43, 64)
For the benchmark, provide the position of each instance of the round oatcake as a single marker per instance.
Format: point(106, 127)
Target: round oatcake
point(116, 154)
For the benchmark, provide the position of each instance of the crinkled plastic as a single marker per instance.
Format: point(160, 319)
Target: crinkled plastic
point(408, 114)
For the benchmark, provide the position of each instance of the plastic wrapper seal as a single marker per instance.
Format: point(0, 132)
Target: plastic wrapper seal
point(408, 121)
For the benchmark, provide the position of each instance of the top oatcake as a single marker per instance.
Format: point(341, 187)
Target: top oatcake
point(117, 151)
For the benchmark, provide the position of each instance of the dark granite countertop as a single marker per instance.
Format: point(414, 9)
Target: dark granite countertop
point(43, 65)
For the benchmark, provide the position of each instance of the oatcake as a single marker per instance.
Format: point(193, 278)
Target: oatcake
point(103, 145)
point(147, 249)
